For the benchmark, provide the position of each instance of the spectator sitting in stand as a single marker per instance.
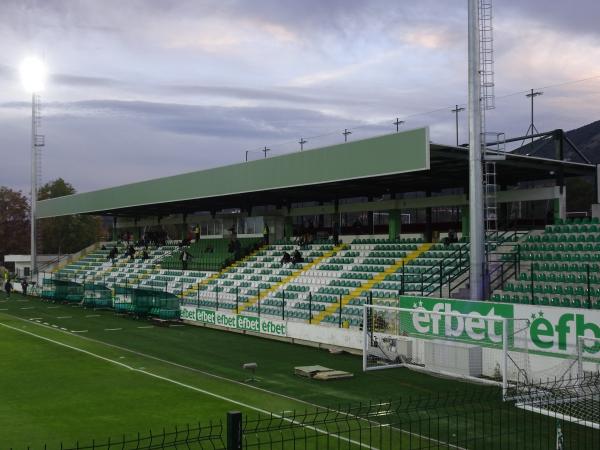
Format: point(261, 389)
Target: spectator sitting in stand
point(297, 257)
point(131, 252)
point(451, 238)
point(112, 254)
point(286, 258)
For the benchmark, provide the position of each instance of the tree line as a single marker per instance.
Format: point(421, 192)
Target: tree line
point(58, 235)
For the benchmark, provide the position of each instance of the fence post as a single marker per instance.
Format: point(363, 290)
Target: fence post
point(531, 278)
point(589, 288)
point(217, 297)
point(234, 430)
point(340, 313)
point(402, 280)
point(441, 278)
point(283, 305)
point(310, 307)
point(237, 304)
point(259, 302)
point(421, 284)
point(198, 295)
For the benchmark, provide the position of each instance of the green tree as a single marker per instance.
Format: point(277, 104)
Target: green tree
point(66, 234)
point(14, 222)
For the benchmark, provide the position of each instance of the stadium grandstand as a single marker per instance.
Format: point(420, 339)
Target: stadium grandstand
point(361, 217)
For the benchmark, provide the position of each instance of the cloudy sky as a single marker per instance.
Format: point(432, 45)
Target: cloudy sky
point(141, 89)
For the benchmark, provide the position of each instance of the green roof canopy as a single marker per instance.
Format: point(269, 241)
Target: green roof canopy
point(384, 155)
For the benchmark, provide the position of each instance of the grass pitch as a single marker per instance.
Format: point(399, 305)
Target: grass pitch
point(69, 374)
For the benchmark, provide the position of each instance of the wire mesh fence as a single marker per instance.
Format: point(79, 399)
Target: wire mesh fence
point(472, 419)
point(198, 436)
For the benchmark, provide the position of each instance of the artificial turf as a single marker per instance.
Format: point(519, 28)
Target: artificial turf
point(181, 374)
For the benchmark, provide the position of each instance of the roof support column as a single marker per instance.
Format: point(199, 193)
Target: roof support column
point(114, 229)
point(394, 223)
point(477, 231)
point(428, 221)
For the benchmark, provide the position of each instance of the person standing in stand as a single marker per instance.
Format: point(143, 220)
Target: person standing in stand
point(24, 286)
point(7, 287)
point(185, 256)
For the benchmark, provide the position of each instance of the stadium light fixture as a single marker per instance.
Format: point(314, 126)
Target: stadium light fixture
point(33, 74)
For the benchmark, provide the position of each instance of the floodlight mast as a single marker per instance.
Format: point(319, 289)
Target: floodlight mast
point(34, 190)
point(476, 230)
point(33, 78)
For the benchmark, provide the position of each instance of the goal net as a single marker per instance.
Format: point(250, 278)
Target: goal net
point(562, 384)
point(451, 344)
point(573, 395)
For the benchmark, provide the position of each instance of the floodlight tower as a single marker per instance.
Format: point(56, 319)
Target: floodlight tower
point(476, 225)
point(33, 77)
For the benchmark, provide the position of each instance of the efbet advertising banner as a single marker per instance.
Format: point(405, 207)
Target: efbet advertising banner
point(429, 319)
point(234, 321)
point(535, 328)
point(556, 330)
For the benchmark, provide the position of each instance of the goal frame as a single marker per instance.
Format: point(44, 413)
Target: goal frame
point(504, 348)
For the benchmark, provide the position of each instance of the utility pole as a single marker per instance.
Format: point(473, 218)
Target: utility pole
point(302, 141)
point(456, 111)
point(265, 150)
point(398, 122)
point(346, 133)
point(532, 95)
point(247, 151)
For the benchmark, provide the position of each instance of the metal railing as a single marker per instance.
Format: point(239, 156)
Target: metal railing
point(448, 269)
point(504, 266)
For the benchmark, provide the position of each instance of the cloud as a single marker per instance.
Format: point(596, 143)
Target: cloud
point(85, 81)
point(232, 122)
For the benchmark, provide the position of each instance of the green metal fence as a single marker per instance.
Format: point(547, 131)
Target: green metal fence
point(474, 419)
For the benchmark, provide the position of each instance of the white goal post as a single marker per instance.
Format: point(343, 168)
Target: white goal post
point(440, 342)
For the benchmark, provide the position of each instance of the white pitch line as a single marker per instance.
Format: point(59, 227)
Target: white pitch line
point(64, 329)
point(27, 307)
point(52, 307)
point(35, 318)
point(64, 317)
point(79, 331)
point(3, 309)
point(145, 327)
point(93, 315)
point(176, 325)
point(219, 377)
point(112, 329)
point(193, 388)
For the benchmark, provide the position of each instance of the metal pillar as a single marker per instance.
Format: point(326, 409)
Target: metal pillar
point(477, 232)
